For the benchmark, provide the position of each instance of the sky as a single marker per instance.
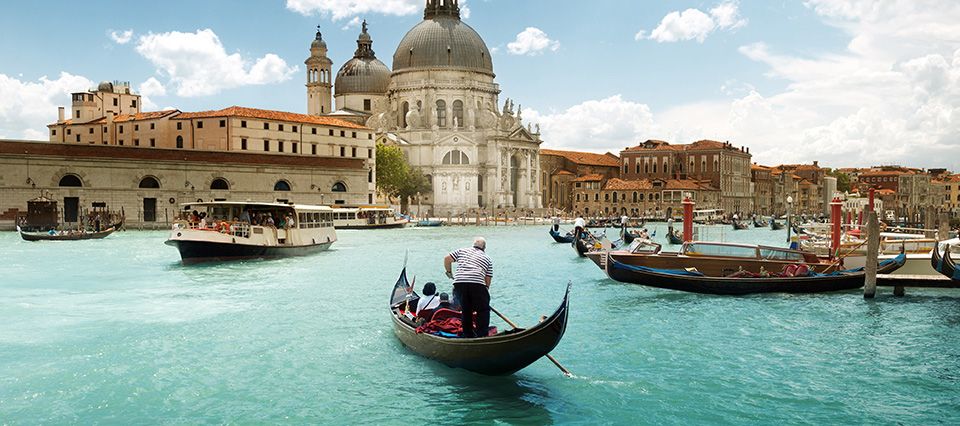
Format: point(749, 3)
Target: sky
point(843, 82)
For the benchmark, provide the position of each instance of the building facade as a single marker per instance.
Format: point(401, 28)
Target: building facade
point(560, 168)
point(648, 198)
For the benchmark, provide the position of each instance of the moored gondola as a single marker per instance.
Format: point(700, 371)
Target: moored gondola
point(776, 226)
point(561, 238)
point(674, 237)
point(64, 235)
point(696, 282)
point(944, 263)
point(501, 354)
point(738, 225)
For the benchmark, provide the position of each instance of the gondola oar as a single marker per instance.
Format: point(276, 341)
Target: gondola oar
point(550, 357)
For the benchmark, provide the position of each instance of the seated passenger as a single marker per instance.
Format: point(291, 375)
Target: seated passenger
point(429, 299)
point(444, 302)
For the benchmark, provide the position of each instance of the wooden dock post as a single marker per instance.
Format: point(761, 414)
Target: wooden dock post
point(873, 248)
point(944, 229)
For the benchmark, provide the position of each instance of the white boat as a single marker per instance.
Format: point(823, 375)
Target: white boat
point(918, 253)
point(245, 230)
point(366, 217)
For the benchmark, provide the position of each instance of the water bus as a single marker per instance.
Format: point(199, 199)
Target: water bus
point(226, 230)
point(366, 217)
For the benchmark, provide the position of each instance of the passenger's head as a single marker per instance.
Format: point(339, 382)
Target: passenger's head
point(444, 297)
point(480, 243)
point(429, 289)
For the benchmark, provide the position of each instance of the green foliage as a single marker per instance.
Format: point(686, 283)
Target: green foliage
point(395, 178)
point(843, 180)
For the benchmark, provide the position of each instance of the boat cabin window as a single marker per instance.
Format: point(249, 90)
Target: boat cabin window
point(722, 250)
point(770, 253)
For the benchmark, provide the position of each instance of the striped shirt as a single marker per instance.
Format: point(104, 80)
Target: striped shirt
point(473, 265)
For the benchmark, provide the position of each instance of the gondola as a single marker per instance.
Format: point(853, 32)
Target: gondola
point(75, 236)
point(501, 354)
point(561, 238)
point(674, 237)
point(696, 282)
point(759, 224)
point(430, 222)
point(738, 225)
point(628, 236)
point(944, 264)
point(776, 226)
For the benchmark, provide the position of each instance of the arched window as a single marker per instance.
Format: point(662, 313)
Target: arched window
point(456, 157)
point(641, 197)
point(149, 182)
point(220, 183)
point(404, 109)
point(71, 180)
point(634, 196)
point(654, 167)
point(646, 167)
point(458, 112)
point(614, 197)
point(578, 197)
point(281, 185)
point(606, 197)
point(179, 141)
point(339, 187)
point(638, 167)
point(441, 113)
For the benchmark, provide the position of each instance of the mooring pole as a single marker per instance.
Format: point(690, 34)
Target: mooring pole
point(836, 217)
point(873, 248)
point(687, 219)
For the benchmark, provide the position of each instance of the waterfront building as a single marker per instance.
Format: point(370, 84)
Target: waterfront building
point(951, 193)
point(761, 186)
point(811, 196)
point(559, 169)
point(441, 108)
point(720, 163)
point(651, 198)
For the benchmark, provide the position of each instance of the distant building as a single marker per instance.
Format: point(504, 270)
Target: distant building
point(762, 188)
point(653, 198)
point(719, 164)
point(561, 168)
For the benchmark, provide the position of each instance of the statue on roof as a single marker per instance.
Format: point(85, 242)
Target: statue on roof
point(364, 26)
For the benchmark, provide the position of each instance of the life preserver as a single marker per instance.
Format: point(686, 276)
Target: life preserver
point(223, 227)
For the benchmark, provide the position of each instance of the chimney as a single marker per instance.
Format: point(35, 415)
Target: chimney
point(59, 114)
point(748, 150)
point(815, 164)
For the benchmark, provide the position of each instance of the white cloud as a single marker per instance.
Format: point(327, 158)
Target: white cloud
point(341, 9)
point(532, 41)
point(121, 37)
point(29, 106)
point(354, 23)
point(596, 125)
point(198, 65)
point(693, 24)
point(152, 87)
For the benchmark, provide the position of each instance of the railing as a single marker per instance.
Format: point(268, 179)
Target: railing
point(236, 229)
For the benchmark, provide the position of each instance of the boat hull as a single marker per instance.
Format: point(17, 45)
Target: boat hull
point(560, 238)
point(41, 236)
point(393, 225)
point(711, 266)
point(207, 251)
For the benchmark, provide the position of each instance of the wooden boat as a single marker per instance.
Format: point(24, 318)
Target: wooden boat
point(501, 354)
point(430, 222)
point(592, 242)
point(759, 223)
point(776, 226)
point(638, 247)
point(722, 259)
point(628, 236)
point(310, 230)
point(561, 238)
point(698, 282)
point(65, 235)
point(738, 225)
point(944, 263)
point(674, 237)
point(366, 217)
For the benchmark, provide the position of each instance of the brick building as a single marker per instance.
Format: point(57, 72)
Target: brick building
point(560, 170)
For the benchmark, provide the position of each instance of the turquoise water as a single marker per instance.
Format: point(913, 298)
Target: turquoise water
point(117, 331)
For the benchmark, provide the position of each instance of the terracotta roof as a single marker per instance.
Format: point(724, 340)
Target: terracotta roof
point(759, 167)
point(687, 184)
point(799, 167)
point(585, 158)
point(589, 178)
point(700, 145)
point(886, 192)
point(563, 173)
point(704, 145)
point(635, 184)
point(265, 114)
point(882, 173)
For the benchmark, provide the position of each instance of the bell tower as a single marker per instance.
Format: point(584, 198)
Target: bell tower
point(318, 77)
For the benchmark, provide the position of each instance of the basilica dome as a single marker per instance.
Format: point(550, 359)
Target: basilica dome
point(364, 73)
point(442, 40)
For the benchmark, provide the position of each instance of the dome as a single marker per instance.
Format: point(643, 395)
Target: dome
point(362, 75)
point(318, 41)
point(442, 41)
point(105, 86)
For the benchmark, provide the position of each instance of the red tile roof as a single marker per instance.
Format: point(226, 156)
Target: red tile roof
point(265, 114)
point(634, 184)
point(687, 184)
point(700, 145)
point(563, 173)
point(585, 158)
point(589, 178)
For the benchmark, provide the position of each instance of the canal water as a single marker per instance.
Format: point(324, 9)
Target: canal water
point(118, 331)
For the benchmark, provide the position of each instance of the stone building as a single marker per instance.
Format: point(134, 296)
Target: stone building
point(442, 109)
point(951, 194)
point(560, 168)
point(811, 197)
point(761, 183)
point(649, 198)
point(721, 164)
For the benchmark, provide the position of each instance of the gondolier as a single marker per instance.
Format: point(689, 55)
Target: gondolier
point(472, 283)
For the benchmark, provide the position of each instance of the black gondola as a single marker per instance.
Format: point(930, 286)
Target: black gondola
point(64, 236)
point(628, 236)
point(500, 354)
point(759, 223)
point(695, 282)
point(561, 238)
point(944, 264)
point(738, 225)
point(674, 237)
point(776, 226)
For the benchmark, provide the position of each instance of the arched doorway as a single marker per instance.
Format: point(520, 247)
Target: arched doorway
point(71, 205)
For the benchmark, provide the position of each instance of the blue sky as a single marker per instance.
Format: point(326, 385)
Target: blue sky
point(845, 82)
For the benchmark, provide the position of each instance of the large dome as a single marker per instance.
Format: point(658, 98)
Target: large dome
point(362, 75)
point(442, 42)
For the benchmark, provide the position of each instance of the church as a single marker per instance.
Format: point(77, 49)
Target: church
point(440, 104)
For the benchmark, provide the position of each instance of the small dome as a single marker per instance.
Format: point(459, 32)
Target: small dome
point(105, 86)
point(442, 41)
point(362, 75)
point(318, 41)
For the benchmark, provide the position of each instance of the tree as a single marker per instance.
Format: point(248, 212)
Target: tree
point(395, 178)
point(843, 180)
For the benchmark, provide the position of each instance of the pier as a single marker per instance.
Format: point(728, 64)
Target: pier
point(899, 282)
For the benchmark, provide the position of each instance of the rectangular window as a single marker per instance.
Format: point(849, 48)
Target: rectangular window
point(370, 136)
point(369, 153)
point(136, 127)
point(223, 123)
point(199, 124)
point(293, 149)
point(343, 134)
point(104, 129)
point(153, 142)
point(366, 105)
point(243, 123)
point(280, 146)
point(313, 148)
point(152, 126)
point(354, 135)
point(266, 145)
point(121, 129)
point(354, 152)
point(294, 129)
point(120, 142)
point(133, 103)
point(115, 101)
point(280, 127)
point(91, 130)
point(266, 126)
point(78, 114)
point(78, 138)
point(136, 142)
point(243, 144)
point(343, 151)
point(53, 131)
point(314, 130)
point(179, 125)
point(68, 131)
point(331, 132)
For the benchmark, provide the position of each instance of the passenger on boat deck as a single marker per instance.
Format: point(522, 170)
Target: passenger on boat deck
point(429, 299)
point(203, 220)
point(472, 282)
point(245, 216)
point(444, 302)
point(194, 217)
point(269, 221)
